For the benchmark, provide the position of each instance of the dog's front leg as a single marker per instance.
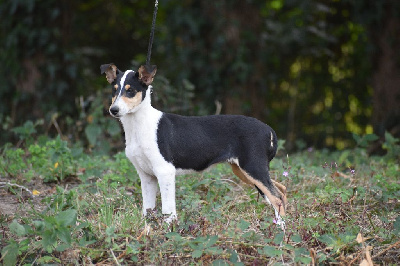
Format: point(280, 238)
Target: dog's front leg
point(149, 190)
point(166, 181)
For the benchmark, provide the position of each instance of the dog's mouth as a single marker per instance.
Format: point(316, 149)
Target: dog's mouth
point(116, 116)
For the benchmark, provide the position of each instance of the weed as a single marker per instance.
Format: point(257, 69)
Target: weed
point(27, 131)
point(53, 230)
point(13, 163)
point(52, 161)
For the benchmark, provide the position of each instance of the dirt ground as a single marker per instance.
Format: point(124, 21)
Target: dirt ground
point(16, 201)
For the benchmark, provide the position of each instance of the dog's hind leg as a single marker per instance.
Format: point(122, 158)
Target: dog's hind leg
point(149, 190)
point(273, 192)
point(241, 174)
point(281, 187)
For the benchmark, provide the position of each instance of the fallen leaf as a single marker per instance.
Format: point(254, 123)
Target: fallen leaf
point(343, 175)
point(335, 174)
point(368, 255)
point(146, 231)
point(35, 192)
point(364, 262)
point(52, 190)
point(90, 119)
point(368, 260)
point(313, 256)
point(360, 239)
point(82, 170)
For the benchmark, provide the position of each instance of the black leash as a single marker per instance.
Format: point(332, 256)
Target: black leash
point(152, 35)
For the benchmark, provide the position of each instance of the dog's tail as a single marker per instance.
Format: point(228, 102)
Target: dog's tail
point(272, 144)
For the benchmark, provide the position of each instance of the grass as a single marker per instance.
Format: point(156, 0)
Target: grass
point(343, 208)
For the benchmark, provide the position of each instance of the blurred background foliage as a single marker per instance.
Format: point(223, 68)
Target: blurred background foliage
point(317, 71)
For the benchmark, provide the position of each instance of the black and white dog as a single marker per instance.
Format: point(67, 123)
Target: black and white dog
point(162, 145)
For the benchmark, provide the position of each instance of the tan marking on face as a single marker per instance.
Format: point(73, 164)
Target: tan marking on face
point(113, 99)
point(275, 201)
point(134, 101)
point(127, 87)
point(115, 86)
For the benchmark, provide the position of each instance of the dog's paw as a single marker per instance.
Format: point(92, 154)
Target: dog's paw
point(170, 218)
point(279, 221)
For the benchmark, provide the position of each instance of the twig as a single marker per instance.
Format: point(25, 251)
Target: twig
point(218, 106)
point(356, 258)
point(122, 255)
point(386, 249)
point(228, 180)
point(240, 243)
point(5, 253)
point(54, 121)
point(180, 256)
point(2, 184)
point(283, 240)
point(115, 258)
point(253, 257)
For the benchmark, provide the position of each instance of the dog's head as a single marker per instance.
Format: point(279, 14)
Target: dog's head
point(129, 88)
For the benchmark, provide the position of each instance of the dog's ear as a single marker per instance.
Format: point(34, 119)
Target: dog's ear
point(147, 73)
point(111, 71)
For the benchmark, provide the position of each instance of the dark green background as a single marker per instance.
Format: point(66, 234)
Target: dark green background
point(316, 71)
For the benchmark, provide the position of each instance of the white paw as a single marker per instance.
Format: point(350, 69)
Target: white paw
point(170, 218)
point(279, 221)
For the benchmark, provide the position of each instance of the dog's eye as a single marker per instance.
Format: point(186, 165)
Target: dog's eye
point(129, 89)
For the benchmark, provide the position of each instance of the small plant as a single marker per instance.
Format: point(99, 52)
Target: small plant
point(392, 146)
point(204, 245)
point(365, 140)
point(55, 229)
point(100, 128)
point(27, 131)
point(13, 163)
point(55, 234)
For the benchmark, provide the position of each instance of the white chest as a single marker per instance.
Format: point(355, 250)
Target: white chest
point(141, 139)
point(142, 152)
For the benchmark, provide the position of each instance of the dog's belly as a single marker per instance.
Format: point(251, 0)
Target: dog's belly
point(180, 171)
point(142, 162)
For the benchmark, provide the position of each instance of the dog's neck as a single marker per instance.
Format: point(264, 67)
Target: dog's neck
point(143, 117)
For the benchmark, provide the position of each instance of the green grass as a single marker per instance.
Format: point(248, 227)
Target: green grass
point(90, 212)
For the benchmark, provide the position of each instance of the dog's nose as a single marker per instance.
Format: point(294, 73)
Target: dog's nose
point(114, 110)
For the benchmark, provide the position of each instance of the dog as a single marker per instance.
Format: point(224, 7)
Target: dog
point(161, 145)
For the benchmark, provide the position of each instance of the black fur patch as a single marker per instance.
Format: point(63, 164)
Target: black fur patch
point(198, 142)
point(131, 79)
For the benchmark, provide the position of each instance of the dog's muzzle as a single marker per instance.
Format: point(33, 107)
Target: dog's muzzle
point(114, 110)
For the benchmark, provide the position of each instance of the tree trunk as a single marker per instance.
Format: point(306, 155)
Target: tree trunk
point(386, 77)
